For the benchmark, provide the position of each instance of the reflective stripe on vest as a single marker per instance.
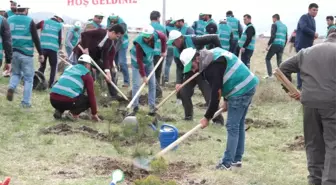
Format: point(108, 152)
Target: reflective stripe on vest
point(281, 34)
point(148, 52)
point(200, 27)
point(49, 35)
point(21, 35)
point(238, 79)
point(224, 31)
point(242, 40)
point(233, 23)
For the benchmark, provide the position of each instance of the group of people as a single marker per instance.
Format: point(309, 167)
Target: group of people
point(206, 49)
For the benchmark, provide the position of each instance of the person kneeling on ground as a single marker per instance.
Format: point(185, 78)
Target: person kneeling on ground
point(230, 78)
point(68, 92)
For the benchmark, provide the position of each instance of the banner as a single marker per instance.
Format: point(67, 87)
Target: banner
point(99, 2)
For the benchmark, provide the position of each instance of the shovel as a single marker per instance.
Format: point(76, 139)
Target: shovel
point(144, 163)
point(132, 119)
point(102, 72)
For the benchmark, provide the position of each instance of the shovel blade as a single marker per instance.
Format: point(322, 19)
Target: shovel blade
point(142, 163)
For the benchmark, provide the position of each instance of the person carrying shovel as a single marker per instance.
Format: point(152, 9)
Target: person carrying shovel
point(181, 42)
point(142, 55)
point(231, 79)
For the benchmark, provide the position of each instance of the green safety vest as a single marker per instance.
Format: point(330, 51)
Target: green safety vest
point(200, 27)
point(158, 27)
point(75, 37)
point(281, 34)
point(238, 79)
point(10, 13)
point(224, 35)
point(207, 23)
point(242, 40)
point(330, 28)
point(125, 37)
point(70, 83)
point(21, 35)
point(49, 35)
point(95, 24)
point(188, 44)
point(234, 24)
point(184, 29)
point(148, 51)
point(1, 48)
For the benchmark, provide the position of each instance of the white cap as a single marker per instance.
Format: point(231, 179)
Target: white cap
point(85, 58)
point(101, 14)
point(78, 24)
point(174, 34)
point(147, 31)
point(186, 58)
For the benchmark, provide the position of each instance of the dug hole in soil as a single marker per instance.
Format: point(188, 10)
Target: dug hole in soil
point(297, 145)
point(258, 123)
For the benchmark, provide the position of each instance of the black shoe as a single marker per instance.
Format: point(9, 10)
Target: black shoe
point(188, 118)
point(57, 115)
point(10, 94)
point(218, 120)
point(151, 113)
point(135, 111)
point(222, 166)
point(237, 164)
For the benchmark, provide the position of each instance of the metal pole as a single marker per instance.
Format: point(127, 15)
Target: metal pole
point(163, 12)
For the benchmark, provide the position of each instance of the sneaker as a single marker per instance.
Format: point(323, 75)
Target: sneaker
point(237, 164)
point(71, 116)
point(222, 166)
point(218, 120)
point(188, 118)
point(57, 115)
point(25, 106)
point(268, 77)
point(10, 94)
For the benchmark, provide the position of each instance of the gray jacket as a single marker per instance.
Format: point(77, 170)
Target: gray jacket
point(317, 65)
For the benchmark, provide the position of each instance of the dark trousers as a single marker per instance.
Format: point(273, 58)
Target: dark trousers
point(246, 57)
point(320, 140)
point(100, 77)
point(80, 105)
point(158, 72)
point(273, 50)
point(234, 47)
point(52, 58)
point(299, 82)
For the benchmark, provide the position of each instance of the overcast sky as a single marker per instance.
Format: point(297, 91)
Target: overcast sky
point(138, 14)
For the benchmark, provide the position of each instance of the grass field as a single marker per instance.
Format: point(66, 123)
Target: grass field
point(76, 154)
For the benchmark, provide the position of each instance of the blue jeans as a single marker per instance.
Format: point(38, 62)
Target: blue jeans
point(121, 60)
point(68, 50)
point(246, 57)
point(136, 83)
point(235, 125)
point(169, 61)
point(23, 65)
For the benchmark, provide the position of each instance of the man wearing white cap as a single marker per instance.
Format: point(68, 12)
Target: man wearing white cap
point(51, 43)
point(181, 42)
point(24, 38)
point(5, 45)
point(95, 23)
point(142, 54)
point(231, 79)
point(72, 37)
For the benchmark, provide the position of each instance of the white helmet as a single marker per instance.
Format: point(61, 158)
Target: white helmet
point(174, 34)
point(78, 24)
point(186, 58)
point(85, 58)
point(147, 31)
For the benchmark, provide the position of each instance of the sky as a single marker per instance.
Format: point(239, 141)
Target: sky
point(137, 14)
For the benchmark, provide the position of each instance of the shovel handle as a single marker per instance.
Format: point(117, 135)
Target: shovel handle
point(102, 72)
point(64, 61)
point(185, 136)
point(177, 90)
point(144, 84)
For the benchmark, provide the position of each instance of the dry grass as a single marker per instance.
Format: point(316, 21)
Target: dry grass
point(30, 158)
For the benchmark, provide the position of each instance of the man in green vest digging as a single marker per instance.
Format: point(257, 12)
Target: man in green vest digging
point(12, 11)
point(199, 25)
point(5, 45)
point(181, 42)
point(247, 41)
point(24, 38)
point(72, 37)
point(331, 24)
point(155, 22)
point(276, 43)
point(231, 79)
point(225, 34)
point(237, 30)
point(51, 43)
point(142, 54)
point(68, 92)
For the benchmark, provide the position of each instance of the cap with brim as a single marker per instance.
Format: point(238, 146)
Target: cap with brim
point(59, 18)
point(187, 67)
point(174, 21)
point(146, 35)
point(99, 15)
point(14, 2)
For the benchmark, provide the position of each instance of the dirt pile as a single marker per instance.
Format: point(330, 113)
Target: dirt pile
point(258, 123)
point(297, 144)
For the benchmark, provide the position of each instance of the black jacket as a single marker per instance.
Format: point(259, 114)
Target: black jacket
point(6, 41)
